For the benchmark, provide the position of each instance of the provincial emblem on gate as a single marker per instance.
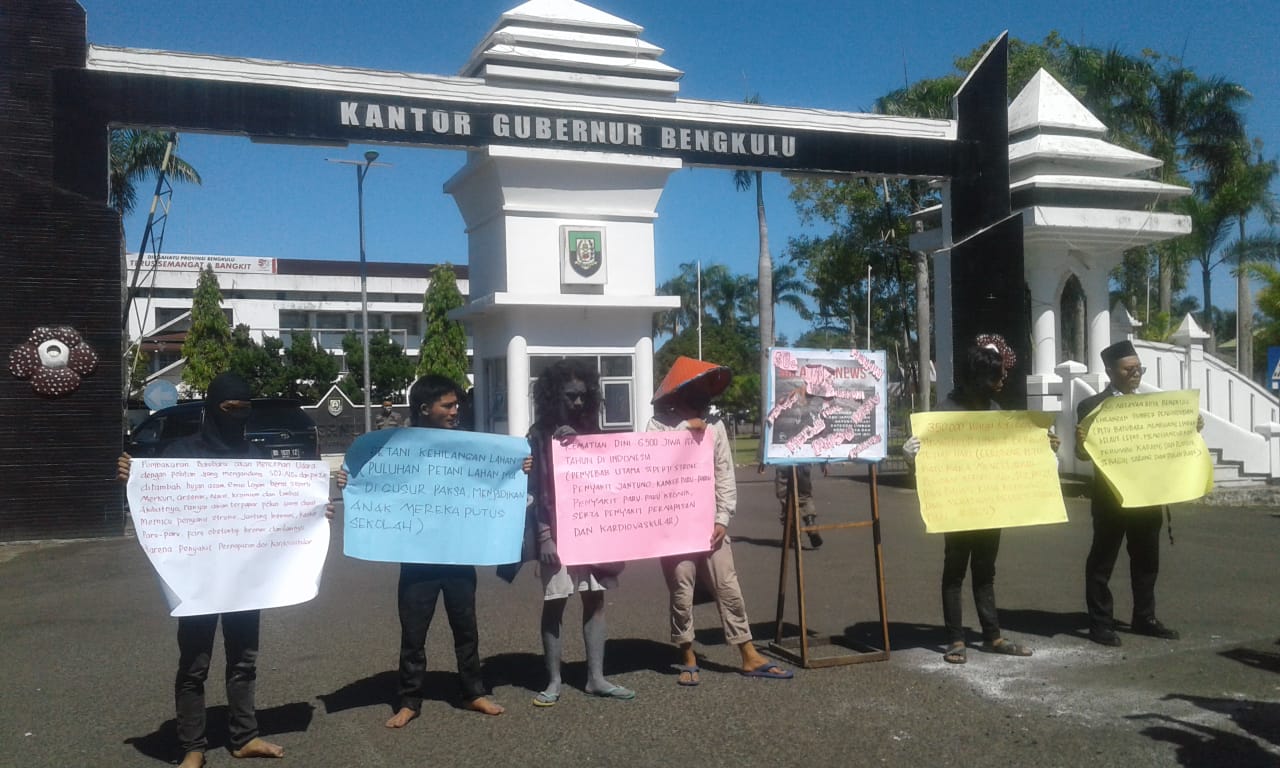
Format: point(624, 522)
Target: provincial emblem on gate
point(335, 406)
point(583, 252)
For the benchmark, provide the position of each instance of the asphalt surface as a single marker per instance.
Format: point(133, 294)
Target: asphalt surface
point(87, 654)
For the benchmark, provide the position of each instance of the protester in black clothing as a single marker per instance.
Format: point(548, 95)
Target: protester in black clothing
point(1139, 526)
point(981, 376)
point(221, 436)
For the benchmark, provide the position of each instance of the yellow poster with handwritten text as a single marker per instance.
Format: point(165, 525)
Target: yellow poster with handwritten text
point(1148, 449)
point(986, 469)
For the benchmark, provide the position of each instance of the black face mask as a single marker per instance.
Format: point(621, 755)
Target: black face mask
point(229, 425)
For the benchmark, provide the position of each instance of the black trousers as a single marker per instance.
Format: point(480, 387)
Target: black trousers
point(420, 587)
point(977, 551)
point(195, 646)
point(1141, 529)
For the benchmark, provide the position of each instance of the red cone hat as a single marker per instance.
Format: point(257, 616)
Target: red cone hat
point(710, 378)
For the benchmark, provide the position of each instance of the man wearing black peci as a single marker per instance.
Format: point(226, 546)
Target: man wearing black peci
point(1139, 526)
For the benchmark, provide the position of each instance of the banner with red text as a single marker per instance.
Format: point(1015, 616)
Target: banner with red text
point(826, 405)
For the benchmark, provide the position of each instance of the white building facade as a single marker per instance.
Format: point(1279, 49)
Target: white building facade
point(278, 297)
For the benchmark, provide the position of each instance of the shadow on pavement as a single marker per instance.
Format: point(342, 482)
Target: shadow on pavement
point(1199, 746)
point(758, 542)
point(1030, 621)
point(635, 654)
point(1263, 660)
point(523, 670)
point(381, 689)
point(902, 636)
point(162, 743)
point(621, 656)
point(1257, 718)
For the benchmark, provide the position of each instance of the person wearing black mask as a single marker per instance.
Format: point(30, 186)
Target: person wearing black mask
point(221, 436)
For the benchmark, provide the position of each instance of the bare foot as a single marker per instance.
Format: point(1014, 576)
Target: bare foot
point(258, 747)
point(402, 718)
point(751, 658)
point(192, 760)
point(485, 706)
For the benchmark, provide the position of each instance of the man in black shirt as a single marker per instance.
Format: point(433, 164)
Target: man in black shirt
point(1113, 524)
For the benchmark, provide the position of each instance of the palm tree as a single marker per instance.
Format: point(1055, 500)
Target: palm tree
point(685, 285)
point(730, 298)
point(136, 155)
point(791, 289)
point(743, 181)
point(1247, 190)
point(1192, 125)
point(1210, 226)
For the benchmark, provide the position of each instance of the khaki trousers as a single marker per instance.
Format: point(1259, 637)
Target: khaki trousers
point(681, 572)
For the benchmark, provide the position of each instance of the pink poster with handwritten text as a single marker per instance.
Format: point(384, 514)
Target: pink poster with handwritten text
point(632, 495)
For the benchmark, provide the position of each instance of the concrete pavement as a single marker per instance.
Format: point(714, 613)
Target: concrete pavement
point(89, 652)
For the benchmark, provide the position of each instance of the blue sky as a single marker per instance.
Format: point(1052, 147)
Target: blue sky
point(260, 200)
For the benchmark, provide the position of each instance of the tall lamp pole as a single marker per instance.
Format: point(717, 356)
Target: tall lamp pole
point(362, 169)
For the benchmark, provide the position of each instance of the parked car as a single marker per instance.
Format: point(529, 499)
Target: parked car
point(277, 424)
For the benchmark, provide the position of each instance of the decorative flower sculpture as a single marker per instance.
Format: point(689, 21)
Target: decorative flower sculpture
point(54, 359)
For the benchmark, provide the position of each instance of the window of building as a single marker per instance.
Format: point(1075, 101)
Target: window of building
point(617, 405)
point(169, 314)
point(293, 319)
point(411, 324)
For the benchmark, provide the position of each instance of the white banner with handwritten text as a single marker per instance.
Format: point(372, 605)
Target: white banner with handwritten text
point(231, 535)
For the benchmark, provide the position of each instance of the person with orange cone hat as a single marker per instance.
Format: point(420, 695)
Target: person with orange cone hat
point(681, 402)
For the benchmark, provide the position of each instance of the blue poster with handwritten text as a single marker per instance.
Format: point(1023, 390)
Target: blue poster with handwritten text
point(445, 496)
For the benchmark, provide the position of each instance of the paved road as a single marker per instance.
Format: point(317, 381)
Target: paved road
point(88, 656)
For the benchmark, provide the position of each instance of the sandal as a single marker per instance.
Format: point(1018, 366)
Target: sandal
point(956, 654)
point(688, 675)
point(545, 699)
point(1006, 648)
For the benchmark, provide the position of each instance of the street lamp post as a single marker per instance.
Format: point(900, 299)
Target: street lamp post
point(361, 170)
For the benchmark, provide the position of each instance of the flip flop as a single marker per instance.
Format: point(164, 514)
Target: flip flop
point(544, 699)
point(692, 671)
point(769, 670)
point(956, 654)
point(1006, 648)
point(616, 692)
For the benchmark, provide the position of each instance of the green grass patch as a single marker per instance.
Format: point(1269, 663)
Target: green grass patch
point(744, 450)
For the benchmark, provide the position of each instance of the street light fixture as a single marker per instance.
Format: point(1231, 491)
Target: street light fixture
point(361, 170)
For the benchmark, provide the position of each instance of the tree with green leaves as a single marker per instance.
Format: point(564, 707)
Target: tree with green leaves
point(736, 348)
point(136, 155)
point(444, 341)
point(741, 400)
point(683, 284)
point(390, 369)
point(731, 299)
point(790, 289)
point(1268, 332)
point(207, 346)
point(262, 365)
point(868, 223)
point(309, 369)
point(1245, 189)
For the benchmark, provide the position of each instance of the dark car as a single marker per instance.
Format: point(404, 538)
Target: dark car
point(276, 424)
